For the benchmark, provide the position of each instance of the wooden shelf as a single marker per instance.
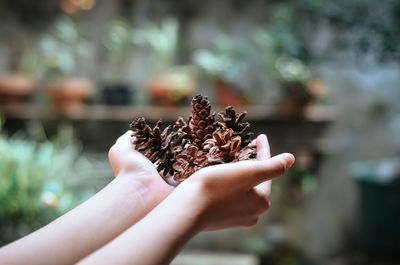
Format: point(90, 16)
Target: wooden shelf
point(127, 113)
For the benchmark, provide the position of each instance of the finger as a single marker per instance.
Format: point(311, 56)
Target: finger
point(259, 204)
point(263, 153)
point(272, 168)
point(124, 142)
point(247, 174)
point(125, 137)
point(264, 188)
point(133, 140)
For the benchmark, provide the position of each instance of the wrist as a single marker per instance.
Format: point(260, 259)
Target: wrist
point(135, 193)
point(189, 200)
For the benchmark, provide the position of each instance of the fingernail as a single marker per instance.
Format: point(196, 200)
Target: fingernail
point(289, 159)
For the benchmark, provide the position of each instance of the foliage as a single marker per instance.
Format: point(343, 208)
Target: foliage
point(226, 60)
point(162, 41)
point(118, 39)
point(57, 52)
point(36, 183)
point(282, 52)
point(118, 45)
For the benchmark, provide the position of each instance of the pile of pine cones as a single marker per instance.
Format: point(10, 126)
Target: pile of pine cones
point(196, 143)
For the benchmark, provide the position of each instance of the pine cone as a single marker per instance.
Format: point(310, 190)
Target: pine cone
point(246, 153)
point(155, 145)
point(233, 121)
point(196, 143)
point(184, 131)
point(189, 161)
point(223, 146)
point(202, 122)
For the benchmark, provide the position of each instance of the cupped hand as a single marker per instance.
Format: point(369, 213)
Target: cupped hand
point(233, 195)
point(128, 163)
point(220, 196)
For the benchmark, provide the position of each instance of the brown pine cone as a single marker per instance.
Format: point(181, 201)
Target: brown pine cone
point(223, 145)
point(155, 145)
point(234, 121)
point(202, 122)
point(183, 127)
point(189, 161)
point(196, 143)
point(246, 153)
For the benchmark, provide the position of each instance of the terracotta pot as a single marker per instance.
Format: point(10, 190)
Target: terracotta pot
point(15, 88)
point(172, 88)
point(69, 94)
point(227, 95)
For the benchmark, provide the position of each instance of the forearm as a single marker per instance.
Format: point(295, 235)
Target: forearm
point(156, 239)
point(215, 197)
point(83, 229)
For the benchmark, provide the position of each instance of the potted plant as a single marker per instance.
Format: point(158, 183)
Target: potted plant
point(299, 86)
point(117, 44)
point(293, 75)
point(170, 84)
point(18, 86)
point(15, 88)
point(226, 65)
point(59, 54)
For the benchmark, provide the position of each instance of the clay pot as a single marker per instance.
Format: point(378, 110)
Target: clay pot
point(68, 95)
point(15, 88)
point(172, 88)
point(301, 95)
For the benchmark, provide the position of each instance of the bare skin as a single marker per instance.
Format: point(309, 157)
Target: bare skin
point(213, 198)
point(217, 197)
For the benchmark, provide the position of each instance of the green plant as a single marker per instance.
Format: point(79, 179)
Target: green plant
point(60, 50)
point(37, 183)
point(226, 60)
point(118, 43)
point(280, 55)
point(162, 41)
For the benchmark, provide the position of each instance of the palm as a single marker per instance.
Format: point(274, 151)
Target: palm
point(146, 169)
point(125, 160)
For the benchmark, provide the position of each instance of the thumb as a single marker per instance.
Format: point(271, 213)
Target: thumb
point(247, 174)
point(271, 168)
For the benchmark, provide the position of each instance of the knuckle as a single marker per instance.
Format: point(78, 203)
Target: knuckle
point(280, 168)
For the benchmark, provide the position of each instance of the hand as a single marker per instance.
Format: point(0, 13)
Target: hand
point(214, 197)
point(127, 163)
point(233, 195)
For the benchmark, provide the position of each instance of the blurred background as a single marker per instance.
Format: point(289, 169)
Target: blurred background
point(320, 78)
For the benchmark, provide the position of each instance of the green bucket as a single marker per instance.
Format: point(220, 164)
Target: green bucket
point(379, 186)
